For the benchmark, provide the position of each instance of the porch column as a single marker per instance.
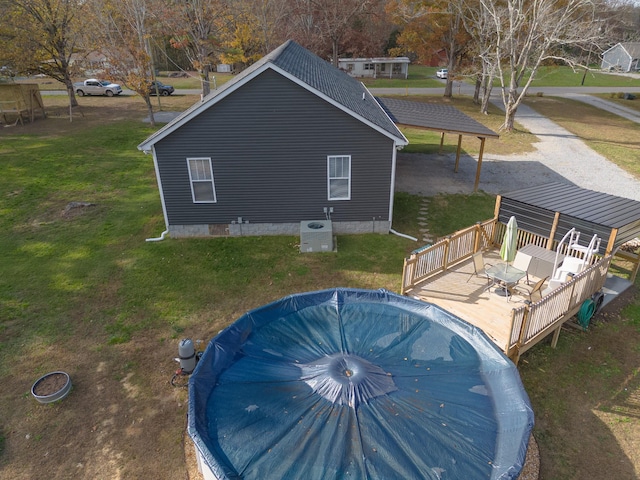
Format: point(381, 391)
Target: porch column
point(479, 168)
point(458, 153)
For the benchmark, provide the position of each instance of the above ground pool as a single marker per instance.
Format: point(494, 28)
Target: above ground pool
point(356, 384)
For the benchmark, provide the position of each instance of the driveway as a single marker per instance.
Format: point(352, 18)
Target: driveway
point(559, 157)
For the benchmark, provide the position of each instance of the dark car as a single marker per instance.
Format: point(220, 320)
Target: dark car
point(161, 88)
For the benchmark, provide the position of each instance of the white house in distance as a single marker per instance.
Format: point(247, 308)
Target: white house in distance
point(380, 67)
point(622, 57)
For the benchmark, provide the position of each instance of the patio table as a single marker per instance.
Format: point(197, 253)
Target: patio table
point(506, 275)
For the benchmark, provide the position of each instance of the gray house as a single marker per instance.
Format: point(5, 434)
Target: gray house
point(622, 57)
point(291, 139)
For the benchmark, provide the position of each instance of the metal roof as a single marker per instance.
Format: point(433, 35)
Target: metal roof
point(588, 205)
point(434, 116)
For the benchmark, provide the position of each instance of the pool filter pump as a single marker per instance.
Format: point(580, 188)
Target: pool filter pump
point(187, 355)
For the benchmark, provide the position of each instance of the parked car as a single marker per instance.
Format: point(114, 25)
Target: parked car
point(442, 73)
point(160, 88)
point(93, 86)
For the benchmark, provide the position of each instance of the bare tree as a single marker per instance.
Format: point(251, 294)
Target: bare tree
point(483, 38)
point(530, 32)
point(123, 28)
point(197, 27)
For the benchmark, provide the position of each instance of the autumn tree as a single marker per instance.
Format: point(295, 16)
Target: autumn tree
point(197, 27)
point(430, 26)
point(530, 32)
point(40, 36)
point(321, 25)
point(123, 29)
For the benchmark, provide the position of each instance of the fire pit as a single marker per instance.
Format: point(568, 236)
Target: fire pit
point(51, 387)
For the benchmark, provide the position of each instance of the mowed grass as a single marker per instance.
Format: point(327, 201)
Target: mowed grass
point(82, 291)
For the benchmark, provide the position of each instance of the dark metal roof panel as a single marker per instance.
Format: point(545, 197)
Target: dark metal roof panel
point(596, 207)
point(435, 116)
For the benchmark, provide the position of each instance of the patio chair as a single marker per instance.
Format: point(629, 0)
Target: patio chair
point(479, 268)
point(530, 291)
point(522, 262)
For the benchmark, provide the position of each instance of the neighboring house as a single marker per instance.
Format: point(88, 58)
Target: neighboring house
point(290, 139)
point(396, 67)
point(622, 57)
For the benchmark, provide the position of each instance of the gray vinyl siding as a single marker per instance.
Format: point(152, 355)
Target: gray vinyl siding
point(268, 142)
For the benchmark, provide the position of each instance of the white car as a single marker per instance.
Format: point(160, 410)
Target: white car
point(442, 73)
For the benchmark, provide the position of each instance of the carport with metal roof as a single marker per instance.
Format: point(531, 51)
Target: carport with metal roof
point(552, 209)
point(439, 118)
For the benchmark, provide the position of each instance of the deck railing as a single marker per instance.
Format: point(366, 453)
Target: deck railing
point(437, 258)
point(532, 322)
point(529, 323)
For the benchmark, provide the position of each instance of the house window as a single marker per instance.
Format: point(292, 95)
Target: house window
point(368, 66)
point(339, 177)
point(203, 189)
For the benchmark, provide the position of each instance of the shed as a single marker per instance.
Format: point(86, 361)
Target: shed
point(439, 118)
point(551, 210)
point(378, 67)
point(624, 57)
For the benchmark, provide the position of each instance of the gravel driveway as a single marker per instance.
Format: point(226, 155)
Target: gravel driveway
point(559, 157)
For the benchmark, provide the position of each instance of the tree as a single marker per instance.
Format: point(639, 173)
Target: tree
point(529, 32)
point(41, 36)
point(123, 28)
point(197, 27)
point(482, 38)
point(321, 25)
point(430, 26)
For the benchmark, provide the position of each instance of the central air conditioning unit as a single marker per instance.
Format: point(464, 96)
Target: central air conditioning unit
point(316, 236)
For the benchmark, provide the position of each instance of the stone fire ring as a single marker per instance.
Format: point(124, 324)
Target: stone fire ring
point(51, 387)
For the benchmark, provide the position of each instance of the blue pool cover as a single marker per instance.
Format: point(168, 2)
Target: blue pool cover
point(357, 384)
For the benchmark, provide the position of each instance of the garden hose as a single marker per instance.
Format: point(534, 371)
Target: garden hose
point(585, 313)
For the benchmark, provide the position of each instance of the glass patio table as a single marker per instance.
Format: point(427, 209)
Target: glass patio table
point(505, 275)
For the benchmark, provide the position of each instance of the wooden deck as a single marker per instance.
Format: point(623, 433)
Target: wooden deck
point(459, 291)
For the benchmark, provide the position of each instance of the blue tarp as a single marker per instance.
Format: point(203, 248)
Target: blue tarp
point(361, 384)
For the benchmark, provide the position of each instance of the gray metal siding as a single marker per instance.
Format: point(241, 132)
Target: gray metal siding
point(269, 142)
point(588, 211)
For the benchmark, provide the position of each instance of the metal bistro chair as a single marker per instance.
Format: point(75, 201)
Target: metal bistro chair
point(530, 291)
point(479, 268)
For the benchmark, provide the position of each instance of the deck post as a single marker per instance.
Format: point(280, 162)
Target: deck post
point(496, 209)
point(445, 263)
point(612, 241)
point(476, 240)
point(552, 234)
point(556, 336)
point(458, 154)
point(441, 142)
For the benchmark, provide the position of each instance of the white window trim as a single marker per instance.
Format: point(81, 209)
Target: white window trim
point(191, 180)
point(329, 178)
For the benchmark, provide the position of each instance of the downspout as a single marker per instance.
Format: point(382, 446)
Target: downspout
point(164, 208)
point(158, 239)
point(393, 188)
